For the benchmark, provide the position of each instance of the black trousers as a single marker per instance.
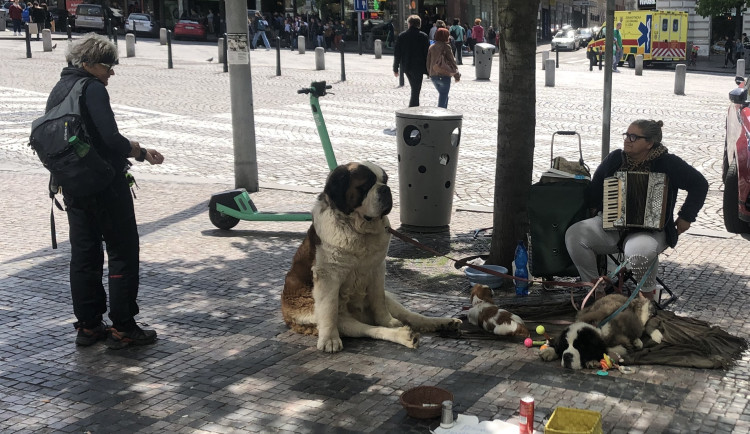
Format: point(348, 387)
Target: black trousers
point(109, 217)
point(415, 82)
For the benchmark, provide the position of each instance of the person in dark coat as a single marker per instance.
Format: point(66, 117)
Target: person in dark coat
point(107, 216)
point(411, 50)
point(642, 152)
point(38, 16)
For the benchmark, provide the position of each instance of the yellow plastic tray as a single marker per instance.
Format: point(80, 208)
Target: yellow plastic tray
point(566, 420)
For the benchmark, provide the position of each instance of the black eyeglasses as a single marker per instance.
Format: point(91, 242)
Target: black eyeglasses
point(108, 66)
point(630, 137)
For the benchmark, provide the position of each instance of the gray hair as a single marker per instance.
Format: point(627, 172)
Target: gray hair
point(91, 48)
point(651, 129)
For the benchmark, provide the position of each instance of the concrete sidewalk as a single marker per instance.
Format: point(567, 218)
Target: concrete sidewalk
point(225, 361)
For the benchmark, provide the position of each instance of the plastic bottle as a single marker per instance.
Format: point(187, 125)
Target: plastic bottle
point(522, 271)
point(81, 147)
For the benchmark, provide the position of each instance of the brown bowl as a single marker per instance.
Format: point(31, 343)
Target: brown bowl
point(425, 402)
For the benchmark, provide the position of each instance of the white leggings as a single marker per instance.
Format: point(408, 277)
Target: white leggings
point(586, 239)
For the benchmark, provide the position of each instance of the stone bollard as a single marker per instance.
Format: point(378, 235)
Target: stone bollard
point(163, 36)
point(740, 68)
point(378, 48)
point(130, 45)
point(46, 40)
point(301, 44)
point(679, 79)
point(639, 64)
point(221, 50)
point(545, 57)
point(320, 58)
point(549, 73)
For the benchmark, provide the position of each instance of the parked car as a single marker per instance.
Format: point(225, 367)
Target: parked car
point(91, 17)
point(736, 166)
point(141, 23)
point(584, 36)
point(189, 29)
point(565, 39)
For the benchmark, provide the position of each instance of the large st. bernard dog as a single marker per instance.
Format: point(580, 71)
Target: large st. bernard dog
point(583, 343)
point(336, 284)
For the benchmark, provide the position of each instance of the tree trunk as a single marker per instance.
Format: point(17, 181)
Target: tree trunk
point(515, 126)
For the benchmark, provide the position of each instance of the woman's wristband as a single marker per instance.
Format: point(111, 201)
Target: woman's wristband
point(142, 156)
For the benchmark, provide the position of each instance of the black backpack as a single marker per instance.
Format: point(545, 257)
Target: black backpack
point(454, 33)
point(60, 140)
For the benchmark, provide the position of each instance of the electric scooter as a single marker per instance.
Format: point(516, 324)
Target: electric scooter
point(227, 208)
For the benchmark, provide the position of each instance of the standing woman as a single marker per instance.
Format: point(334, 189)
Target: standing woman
point(441, 66)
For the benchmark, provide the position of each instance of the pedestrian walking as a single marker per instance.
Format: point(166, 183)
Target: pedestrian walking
point(15, 12)
point(458, 34)
point(260, 25)
point(617, 47)
point(107, 216)
point(410, 54)
point(729, 51)
point(441, 66)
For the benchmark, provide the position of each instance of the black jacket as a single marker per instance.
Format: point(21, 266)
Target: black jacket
point(411, 47)
point(681, 176)
point(97, 114)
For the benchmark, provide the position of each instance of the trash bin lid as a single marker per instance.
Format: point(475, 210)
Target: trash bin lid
point(421, 112)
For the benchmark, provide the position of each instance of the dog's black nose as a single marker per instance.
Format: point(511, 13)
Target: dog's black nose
point(385, 198)
point(567, 360)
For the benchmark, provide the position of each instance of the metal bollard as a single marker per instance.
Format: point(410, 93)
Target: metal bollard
point(378, 48)
point(545, 57)
point(28, 42)
point(320, 58)
point(130, 45)
point(679, 79)
point(278, 56)
point(69, 29)
point(343, 67)
point(46, 40)
point(169, 49)
point(220, 44)
point(601, 59)
point(114, 34)
point(740, 72)
point(226, 60)
point(557, 58)
point(109, 28)
point(549, 73)
point(301, 44)
point(401, 74)
point(162, 36)
point(639, 64)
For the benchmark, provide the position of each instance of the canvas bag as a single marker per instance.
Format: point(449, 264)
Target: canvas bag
point(442, 67)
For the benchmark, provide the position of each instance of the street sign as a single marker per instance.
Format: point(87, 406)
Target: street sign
point(360, 5)
point(584, 3)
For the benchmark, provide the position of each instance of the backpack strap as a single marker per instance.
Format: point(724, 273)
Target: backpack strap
point(55, 202)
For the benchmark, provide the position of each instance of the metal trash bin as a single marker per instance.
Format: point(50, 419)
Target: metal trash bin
point(483, 53)
point(427, 142)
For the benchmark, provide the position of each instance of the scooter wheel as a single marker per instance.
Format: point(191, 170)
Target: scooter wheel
point(221, 220)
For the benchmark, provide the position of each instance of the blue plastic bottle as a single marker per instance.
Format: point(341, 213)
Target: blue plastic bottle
point(522, 271)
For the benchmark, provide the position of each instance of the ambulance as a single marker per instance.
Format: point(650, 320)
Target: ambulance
point(660, 36)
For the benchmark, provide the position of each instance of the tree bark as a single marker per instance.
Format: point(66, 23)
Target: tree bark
point(515, 126)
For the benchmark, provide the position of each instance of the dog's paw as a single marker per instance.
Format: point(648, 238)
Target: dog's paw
point(330, 344)
point(449, 324)
point(548, 354)
point(592, 364)
point(393, 323)
point(408, 337)
point(656, 336)
point(638, 343)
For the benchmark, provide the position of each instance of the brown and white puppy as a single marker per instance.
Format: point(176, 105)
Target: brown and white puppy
point(583, 343)
point(484, 313)
point(336, 285)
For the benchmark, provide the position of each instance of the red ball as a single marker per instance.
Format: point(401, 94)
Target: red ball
point(528, 342)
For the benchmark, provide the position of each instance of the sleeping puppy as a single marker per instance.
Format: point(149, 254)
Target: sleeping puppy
point(484, 313)
point(336, 284)
point(583, 344)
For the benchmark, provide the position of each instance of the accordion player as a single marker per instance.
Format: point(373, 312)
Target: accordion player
point(635, 200)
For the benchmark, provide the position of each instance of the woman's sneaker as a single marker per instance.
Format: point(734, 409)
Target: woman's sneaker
point(136, 337)
point(87, 337)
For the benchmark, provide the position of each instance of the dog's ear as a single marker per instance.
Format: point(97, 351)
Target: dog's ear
point(560, 343)
point(336, 188)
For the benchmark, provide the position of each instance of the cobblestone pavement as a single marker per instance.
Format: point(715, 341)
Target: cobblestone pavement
point(225, 362)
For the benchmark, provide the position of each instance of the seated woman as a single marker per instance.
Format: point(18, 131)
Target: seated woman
point(642, 152)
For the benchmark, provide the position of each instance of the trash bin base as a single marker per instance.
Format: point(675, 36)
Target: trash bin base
point(424, 229)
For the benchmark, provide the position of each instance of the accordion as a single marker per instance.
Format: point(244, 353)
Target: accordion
point(635, 200)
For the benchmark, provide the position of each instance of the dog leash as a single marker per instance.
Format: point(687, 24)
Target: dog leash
point(632, 296)
point(416, 243)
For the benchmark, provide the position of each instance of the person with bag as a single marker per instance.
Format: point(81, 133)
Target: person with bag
point(411, 54)
point(458, 34)
point(107, 215)
point(642, 152)
point(260, 31)
point(441, 66)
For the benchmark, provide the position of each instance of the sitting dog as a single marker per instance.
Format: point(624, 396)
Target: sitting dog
point(583, 343)
point(484, 313)
point(336, 285)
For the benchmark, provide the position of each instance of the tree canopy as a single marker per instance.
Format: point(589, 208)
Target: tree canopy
point(706, 8)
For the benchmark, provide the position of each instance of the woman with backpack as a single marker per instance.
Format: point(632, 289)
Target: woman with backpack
point(459, 36)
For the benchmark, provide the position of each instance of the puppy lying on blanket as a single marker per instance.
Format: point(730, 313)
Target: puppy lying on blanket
point(484, 313)
point(583, 343)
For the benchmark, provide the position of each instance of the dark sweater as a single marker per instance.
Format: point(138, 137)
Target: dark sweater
point(681, 176)
point(97, 114)
point(411, 47)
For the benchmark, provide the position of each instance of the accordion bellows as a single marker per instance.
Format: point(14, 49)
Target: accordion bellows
point(635, 200)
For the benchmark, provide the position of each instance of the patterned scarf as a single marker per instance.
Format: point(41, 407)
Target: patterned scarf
point(644, 166)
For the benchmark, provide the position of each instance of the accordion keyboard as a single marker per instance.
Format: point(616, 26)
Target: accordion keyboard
point(612, 202)
point(635, 200)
